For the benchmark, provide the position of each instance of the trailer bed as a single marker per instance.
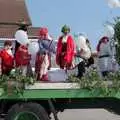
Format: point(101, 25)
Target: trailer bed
point(59, 90)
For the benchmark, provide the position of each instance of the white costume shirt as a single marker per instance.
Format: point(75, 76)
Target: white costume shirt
point(104, 63)
point(82, 45)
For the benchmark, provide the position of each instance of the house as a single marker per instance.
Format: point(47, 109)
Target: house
point(12, 15)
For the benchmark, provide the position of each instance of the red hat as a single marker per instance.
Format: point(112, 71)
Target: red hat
point(102, 40)
point(43, 31)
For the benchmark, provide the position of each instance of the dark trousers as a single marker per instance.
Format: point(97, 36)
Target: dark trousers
point(105, 73)
point(81, 69)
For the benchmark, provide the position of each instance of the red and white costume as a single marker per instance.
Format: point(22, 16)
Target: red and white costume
point(104, 56)
point(41, 66)
point(65, 52)
point(43, 57)
point(7, 61)
point(22, 58)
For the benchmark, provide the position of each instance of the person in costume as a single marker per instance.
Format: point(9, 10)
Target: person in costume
point(7, 58)
point(22, 27)
point(104, 56)
point(43, 57)
point(22, 59)
point(65, 49)
point(83, 53)
point(21, 46)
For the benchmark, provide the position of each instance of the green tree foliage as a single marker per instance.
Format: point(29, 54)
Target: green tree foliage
point(117, 37)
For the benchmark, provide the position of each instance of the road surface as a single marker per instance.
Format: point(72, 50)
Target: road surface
point(88, 114)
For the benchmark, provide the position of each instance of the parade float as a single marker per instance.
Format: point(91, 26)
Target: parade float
point(24, 98)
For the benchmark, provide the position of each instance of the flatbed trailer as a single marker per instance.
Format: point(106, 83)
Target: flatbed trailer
point(38, 101)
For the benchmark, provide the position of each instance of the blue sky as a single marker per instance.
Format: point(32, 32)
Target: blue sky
point(85, 16)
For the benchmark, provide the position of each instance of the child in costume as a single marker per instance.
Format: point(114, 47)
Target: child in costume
point(22, 59)
point(7, 58)
point(65, 49)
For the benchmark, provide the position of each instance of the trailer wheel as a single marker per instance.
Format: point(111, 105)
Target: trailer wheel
point(27, 111)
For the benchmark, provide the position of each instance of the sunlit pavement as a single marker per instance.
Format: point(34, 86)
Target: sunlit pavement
point(88, 114)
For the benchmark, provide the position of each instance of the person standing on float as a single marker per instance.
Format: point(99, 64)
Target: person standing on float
point(42, 62)
point(83, 53)
point(104, 56)
point(22, 59)
point(65, 49)
point(22, 27)
point(7, 58)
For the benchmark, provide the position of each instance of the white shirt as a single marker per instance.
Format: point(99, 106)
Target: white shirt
point(82, 45)
point(104, 49)
point(64, 39)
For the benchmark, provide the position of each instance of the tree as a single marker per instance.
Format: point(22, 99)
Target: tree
point(117, 37)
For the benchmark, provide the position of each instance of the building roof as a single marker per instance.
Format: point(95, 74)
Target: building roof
point(9, 31)
point(33, 31)
point(13, 12)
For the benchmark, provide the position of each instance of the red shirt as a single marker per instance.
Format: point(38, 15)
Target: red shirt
point(22, 57)
point(7, 61)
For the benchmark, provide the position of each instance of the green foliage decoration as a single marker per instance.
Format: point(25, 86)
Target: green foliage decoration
point(98, 86)
point(14, 83)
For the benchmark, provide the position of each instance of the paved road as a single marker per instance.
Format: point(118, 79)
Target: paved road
point(88, 114)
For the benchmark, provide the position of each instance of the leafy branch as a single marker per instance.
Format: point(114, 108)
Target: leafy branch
point(15, 83)
point(93, 82)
